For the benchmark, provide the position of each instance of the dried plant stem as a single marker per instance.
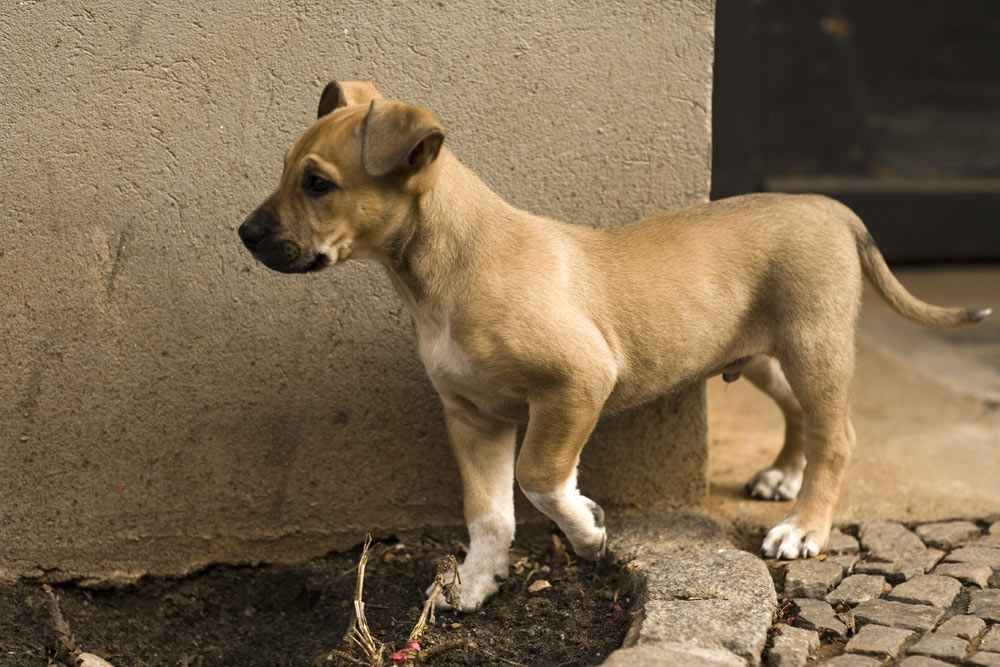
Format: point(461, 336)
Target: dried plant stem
point(431, 651)
point(343, 656)
point(358, 631)
point(66, 649)
point(449, 564)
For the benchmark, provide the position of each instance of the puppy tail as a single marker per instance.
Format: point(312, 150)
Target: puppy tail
point(904, 303)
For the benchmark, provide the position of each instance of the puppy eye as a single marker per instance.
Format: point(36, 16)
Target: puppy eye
point(316, 186)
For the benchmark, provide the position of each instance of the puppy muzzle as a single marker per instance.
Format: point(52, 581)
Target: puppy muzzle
point(261, 234)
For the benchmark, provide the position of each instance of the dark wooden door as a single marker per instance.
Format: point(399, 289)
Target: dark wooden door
point(891, 106)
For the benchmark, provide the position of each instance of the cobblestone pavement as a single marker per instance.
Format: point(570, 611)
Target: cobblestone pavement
point(886, 594)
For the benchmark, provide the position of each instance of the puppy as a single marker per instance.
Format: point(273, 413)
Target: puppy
point(521, 318)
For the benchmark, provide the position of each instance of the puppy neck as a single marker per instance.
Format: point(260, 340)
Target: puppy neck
point(452, 225)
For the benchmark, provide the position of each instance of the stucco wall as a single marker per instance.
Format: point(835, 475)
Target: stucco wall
point(165, 401)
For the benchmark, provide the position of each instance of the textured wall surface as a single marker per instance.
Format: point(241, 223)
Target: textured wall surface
point(166, 402)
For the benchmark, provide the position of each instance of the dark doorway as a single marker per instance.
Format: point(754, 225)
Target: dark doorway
point(891, 106)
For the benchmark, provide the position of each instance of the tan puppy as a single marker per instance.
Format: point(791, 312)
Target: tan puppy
point(523, 318)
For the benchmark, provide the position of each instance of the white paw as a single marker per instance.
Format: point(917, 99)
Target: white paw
point(479, 583)
point(790, 542)
point(593, 546)
point(576, 515)
point(775, 484)
point(590, 542)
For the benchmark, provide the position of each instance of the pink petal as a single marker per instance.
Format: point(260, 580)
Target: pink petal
point(400, 656)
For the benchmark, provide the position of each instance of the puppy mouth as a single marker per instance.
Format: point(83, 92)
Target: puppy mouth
point(286, 256)
point(320, 262)
point(283, 264)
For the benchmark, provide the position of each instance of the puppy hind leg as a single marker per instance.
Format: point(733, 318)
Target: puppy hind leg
point(546, 472)
point(782, 479)
point(484, 450)
point(822, 386)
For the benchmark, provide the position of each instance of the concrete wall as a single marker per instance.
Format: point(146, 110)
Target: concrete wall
point(166, 402)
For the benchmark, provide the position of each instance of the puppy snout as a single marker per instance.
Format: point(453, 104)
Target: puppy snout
point(259, 225)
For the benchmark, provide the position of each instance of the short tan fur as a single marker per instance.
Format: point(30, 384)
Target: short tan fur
point(519, 317)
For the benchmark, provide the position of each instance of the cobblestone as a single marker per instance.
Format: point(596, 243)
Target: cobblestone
point(987, 541)
point(895, 573)
point(936, 645)
point(991, 642)
point(879, 640)
point(899, 585)
point(840, 543)
point(785, 653)
point(811, 578)
point(966, 627)
point(985, 605)
point(819, 616)
point(967, 573)
point(857, 588)
point(921, 661)
point(901, 570)
point(931, 589)
point(810, 637)
point(888, 541)
point(984, 660)
point(845, 561)
point(897, 615)
point(791, 647)
point(994, 531)
point(848, 660)
point(947, 534)
point(979, 555)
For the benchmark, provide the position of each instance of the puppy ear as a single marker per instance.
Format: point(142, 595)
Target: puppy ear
point(345, 93)
point(399, 137)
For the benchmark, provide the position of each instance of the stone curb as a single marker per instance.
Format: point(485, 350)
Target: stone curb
point(697, 600)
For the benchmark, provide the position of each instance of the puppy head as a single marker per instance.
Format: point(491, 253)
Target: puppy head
point(349, 184)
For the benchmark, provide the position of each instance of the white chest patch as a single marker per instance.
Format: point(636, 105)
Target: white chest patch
point(441, 354)
point(455, 375)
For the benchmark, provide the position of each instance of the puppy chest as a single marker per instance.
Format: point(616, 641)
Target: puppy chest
point(442, 356)
point(453, 373)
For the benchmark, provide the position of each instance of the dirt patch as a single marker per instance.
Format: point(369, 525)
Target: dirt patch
point(279, 615)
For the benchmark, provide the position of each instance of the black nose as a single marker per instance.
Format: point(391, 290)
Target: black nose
point(258, 225)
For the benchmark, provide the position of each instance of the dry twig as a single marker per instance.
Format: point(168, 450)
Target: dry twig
point(65, 646)
point(451, 594)
point(358, 633)
point(66, 650)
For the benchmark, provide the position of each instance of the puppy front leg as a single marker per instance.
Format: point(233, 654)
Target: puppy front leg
point(546, 472)
point(484, 450)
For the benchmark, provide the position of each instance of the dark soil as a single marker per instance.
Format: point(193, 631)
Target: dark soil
point(279, 615)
